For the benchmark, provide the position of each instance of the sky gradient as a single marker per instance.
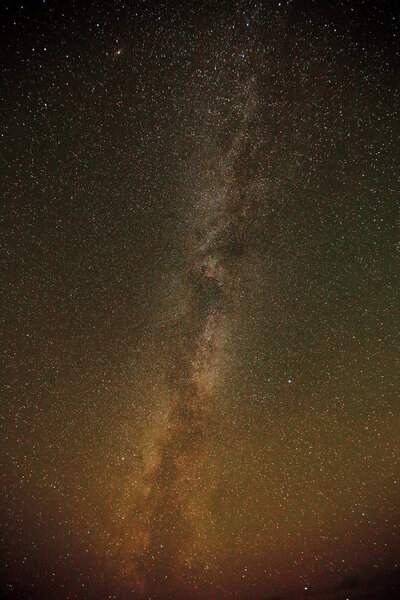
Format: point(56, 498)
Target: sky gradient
point(200, 300)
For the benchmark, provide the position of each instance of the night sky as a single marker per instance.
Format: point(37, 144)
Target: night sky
point(200, 300)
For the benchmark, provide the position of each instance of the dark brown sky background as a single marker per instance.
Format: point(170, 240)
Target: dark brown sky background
point(199, 300)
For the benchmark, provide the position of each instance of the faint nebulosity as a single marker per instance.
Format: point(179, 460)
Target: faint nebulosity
point(200, 300)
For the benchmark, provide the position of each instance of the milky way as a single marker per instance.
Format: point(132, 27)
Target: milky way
point(201, 229)
point(165, 488)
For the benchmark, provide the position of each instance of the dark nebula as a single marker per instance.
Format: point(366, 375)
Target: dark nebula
point(200, 300)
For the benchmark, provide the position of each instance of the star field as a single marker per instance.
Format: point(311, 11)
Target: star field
point(200, 300)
